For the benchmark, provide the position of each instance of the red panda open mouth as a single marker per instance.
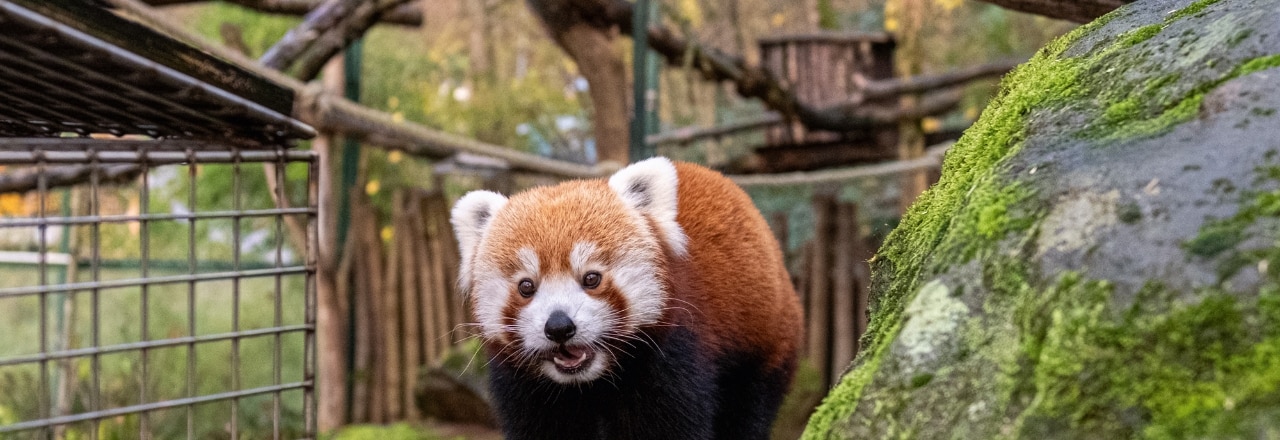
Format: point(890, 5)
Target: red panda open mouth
point(570, 359)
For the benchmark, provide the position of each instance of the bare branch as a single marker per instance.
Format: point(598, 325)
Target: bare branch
point(686, 135)
point(858, 115)
point(28, 179)
point(853, 114)
point(294, 227)
point(409, 14)
point(1079, 11)
point(875, 90)
point(931, 159)
point(325, 31)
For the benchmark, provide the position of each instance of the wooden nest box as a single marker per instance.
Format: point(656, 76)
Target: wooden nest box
point(825, 69)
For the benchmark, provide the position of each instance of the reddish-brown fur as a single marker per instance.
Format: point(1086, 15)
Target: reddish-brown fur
point(736, 275)
point(733, 289)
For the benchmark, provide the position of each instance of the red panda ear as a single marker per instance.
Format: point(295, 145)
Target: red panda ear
point(650, 187)
point(471, 217)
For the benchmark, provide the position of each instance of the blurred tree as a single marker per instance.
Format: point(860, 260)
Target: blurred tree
point(587, 31)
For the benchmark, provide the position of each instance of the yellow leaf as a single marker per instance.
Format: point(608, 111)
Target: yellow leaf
point(397, 117)
point(778, 19)
point(385, 233)
point(890, 24)
point(930, 125)
point(948, 5)
point(971, 113)
point(690, 10)
point(395, 156)
point(372, 187)
point(393, 102)
point(10, 204)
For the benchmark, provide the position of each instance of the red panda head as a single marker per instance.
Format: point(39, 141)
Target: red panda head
point(563, 277)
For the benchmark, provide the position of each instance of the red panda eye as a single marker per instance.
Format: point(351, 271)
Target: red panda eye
point(591, 280)
point(526, 288)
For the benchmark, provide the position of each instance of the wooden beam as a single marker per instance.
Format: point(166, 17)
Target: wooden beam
point(931, 159)
point(409, 14)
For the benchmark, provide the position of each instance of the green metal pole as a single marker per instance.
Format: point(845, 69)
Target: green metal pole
point(350, 148)
point(350, 172)
point(644, 120)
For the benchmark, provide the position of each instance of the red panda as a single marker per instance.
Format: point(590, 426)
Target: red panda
point(653, 305)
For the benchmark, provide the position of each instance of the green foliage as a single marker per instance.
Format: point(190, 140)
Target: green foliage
point(827, 16)
point(398, 431)
point(806, 392)
point(258, 31)
point(121, 374)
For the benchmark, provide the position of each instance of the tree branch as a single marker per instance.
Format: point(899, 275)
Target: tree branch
point(685, 135)
point(1079, 11)
point(24, 180)
point(293, 225)
point(932, 158)
point(875, 90)
point(326, 30)
point(409, 14)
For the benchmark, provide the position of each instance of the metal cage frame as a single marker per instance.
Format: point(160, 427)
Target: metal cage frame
point(193, 156)
point(92, 100)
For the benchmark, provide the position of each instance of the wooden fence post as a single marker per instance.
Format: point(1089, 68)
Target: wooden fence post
point(843, 291)
point(819, 292)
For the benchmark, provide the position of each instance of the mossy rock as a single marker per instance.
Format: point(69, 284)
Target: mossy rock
point(1096, 259)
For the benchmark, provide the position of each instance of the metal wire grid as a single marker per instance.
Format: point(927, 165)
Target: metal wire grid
point(63, 77)
point(87, 410)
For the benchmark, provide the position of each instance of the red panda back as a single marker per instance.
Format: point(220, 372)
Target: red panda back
point(736, 277)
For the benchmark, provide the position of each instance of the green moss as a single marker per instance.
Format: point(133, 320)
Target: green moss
point(976, 207)
point(1194, 8)
point(969, 167)
point(1215, 238)
point(842, 399)
point(1140, 34)
point(992, 212)
point(1259, 213)
point(1154, 110)
point(1129, 213)
point(1191, 370)
point(1257, 64)
point(920, 380)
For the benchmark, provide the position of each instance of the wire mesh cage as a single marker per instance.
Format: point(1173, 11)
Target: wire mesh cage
point(157, 237)
point(168, 293)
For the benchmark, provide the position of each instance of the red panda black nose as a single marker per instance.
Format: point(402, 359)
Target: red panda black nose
point(560, 327)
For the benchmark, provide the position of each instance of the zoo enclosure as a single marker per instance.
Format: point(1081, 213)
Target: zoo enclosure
point(121, 316)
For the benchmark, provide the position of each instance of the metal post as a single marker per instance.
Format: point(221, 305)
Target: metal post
point(351, 63)
point(644, 120)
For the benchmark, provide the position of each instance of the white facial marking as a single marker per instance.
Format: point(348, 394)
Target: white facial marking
point(590, 316)
point(580, 258)
point(493, 288)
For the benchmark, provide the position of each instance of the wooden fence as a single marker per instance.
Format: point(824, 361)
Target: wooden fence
point(407, 311)
point(832, 278)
